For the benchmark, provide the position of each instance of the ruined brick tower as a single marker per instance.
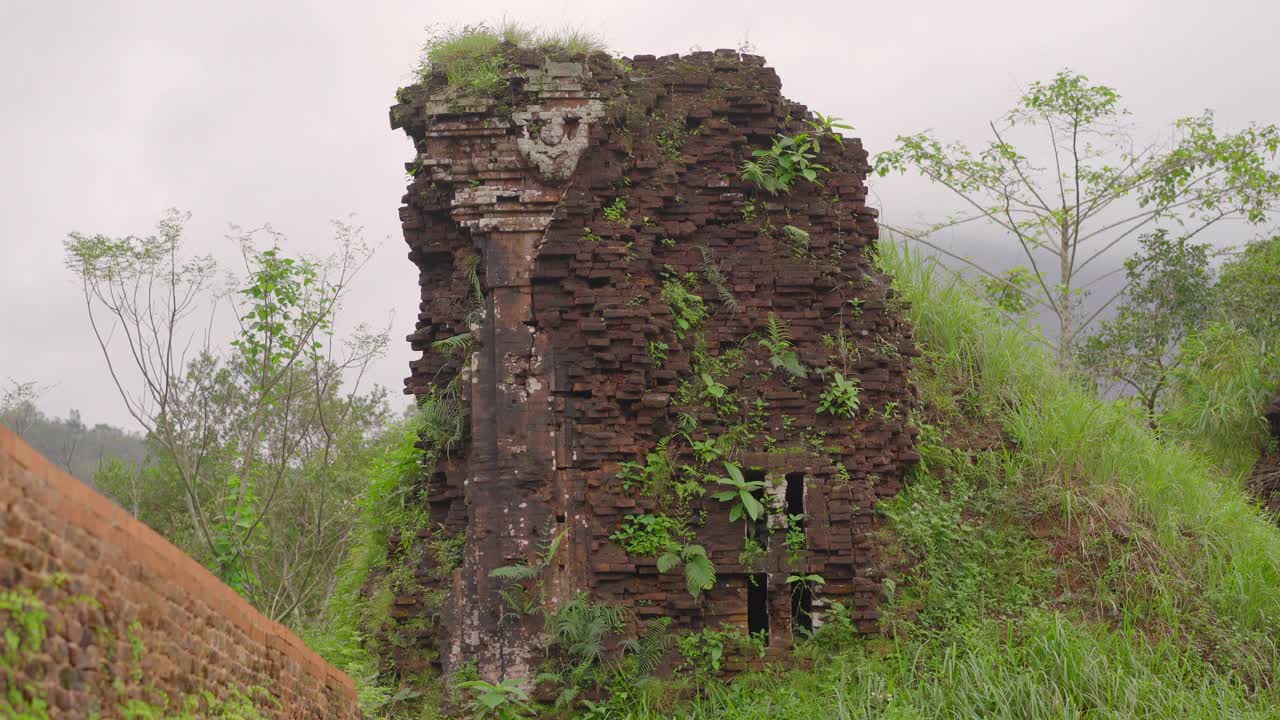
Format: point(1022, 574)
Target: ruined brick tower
point(621, 318)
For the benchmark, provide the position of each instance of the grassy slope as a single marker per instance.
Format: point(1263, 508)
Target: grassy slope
point(1058, 559)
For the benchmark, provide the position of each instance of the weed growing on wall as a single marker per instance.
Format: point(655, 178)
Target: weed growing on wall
point(470, 57)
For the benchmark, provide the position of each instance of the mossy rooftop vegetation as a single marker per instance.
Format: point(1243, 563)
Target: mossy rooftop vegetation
point(470, 57)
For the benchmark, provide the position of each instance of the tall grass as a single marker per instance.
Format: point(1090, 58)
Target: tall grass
point(1200, 515)
point(469, 58)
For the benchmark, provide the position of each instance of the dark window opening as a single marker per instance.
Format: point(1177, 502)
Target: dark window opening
point(795, 493)
point(802, 608)
point(758, 604)
point(597, 282)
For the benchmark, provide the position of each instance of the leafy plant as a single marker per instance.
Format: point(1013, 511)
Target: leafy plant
point(796, 539)
point(616, 211)
point(649, 645)
point(647, 535)
point(654, 475)
point(517, 593)
point(1167, 297)
point(658, 351)
point(687, 308)
point(782, 355)
point(581, 627)
point(704, 651)
point(752, 551)
point(826, 125)
point(797, 240)
point(841, 396)
point(789, 158)
point(741, 494)
point(501, 701)
point(699, 571)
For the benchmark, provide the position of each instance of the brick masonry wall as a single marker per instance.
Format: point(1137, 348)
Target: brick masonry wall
point(516, 198)
point(129, 616)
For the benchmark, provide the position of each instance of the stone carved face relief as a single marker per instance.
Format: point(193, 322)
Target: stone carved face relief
point(553, 140)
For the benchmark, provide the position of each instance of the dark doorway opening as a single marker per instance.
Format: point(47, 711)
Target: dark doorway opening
point(758, 604)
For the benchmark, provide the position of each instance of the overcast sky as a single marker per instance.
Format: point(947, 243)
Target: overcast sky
point(254, 112)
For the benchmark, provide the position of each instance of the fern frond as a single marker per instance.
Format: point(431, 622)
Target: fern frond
point(699, 572)
point(516, 572)
point(458, 344)
point(649, 647)
point(778, 335)
point(668, 561)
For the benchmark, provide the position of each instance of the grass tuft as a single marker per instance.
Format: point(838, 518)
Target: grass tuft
point(469, 56)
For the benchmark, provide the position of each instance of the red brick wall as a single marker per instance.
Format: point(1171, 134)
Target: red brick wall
point(129, 616)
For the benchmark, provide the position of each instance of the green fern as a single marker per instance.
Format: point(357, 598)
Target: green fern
point(457, 345)
point(711, 271)
point(650, 645)
point(516, 572)
point(782, 355)
point(581, 627)
point(699, 571)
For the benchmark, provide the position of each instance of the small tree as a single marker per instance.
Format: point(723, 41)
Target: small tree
point(1166, 299)
point(1097, 188)
point(259, 435)
point(1248, 290)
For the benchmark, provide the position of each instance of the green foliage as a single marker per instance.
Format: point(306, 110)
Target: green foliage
point(1009, 291)
point(506, 700)
point(390, 506)
point(1223, 380)
point(256, 448)
point(796, 239)
point(235, 705)
point(1167, 297)
point(715, 277)
point(741, 494)
point(472, 60)
point(458, 345)
point(281, 321)
point(649, 645)
point(1205, 529)
point(616, 211)
point(658, 351)
point(518, 593)
point(790, 158)
point(796, 540)
point(239, 516)
point(841, 396)
point(704, 651)
point(1247, 293)
point(647, 535)
point(654, 475)
point(671, 138)
point(699, 571)
point(22, 630)
point(687, 308)
point(1062, 560)
point(1062, 215)
point(782, 354)
point(581, 628)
